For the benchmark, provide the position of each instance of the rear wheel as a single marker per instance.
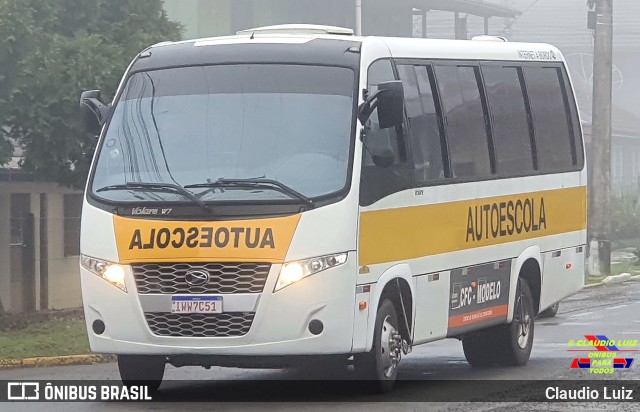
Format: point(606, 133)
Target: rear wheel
point(379, 367)
point(505, 345)
point(142, 370)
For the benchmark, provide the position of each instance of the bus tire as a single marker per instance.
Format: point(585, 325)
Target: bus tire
point(550, 312)
point(324, 367)
point(377, 368)
point(478, 349)
point(141, 370)
point(505, 345)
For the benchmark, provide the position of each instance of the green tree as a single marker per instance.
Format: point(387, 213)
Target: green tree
point(49, 53)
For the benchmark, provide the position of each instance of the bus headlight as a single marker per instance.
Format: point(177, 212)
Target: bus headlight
point(295, 271)
point(111, 272)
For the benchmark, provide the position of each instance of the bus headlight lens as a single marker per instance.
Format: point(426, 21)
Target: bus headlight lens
point(294, 271)
point(111, 272)
point(291, 273)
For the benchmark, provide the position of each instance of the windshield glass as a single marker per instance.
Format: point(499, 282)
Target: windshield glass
point(193, 125)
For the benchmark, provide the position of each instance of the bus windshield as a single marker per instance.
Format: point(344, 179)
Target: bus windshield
point(193, 126)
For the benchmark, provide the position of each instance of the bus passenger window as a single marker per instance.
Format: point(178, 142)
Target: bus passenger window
point(426, 141)
point(511, 134)
point(464, 121)
point(550, 118)
point(378, 182)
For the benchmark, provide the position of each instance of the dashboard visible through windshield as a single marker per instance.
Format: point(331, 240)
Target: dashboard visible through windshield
point(200, 128)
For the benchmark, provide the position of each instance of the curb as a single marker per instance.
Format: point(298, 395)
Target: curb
point(42, 362)
point(623, 277)
point(611, 280)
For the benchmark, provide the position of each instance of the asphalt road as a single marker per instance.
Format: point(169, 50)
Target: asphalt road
point(606, 310)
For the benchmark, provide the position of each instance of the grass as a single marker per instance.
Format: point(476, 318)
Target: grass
point(54, 337)
point(624, 244)
point(626, 267)
point(632, 267)
point(590, 280)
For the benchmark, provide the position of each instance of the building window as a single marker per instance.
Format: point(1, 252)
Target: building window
point(20, 205)
point(72, 211)
point(618, 161)
point(635, 165)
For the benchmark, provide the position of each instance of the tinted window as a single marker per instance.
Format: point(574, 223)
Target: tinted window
point(380, 139)
point(576, 130)
point(189, 125)
point(423, 123)
point(550, 118)
point(511, 134)
point(464, 121)
point(378, 182)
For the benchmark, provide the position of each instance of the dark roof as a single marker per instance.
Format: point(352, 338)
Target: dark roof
point(318, 51)
point(15, 175)
point(625, 121)
point(476, 8)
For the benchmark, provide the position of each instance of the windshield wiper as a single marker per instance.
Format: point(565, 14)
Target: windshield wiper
point(256, 183)
point(158, 187)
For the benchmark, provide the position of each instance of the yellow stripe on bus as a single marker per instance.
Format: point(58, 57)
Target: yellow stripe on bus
point(407, 233)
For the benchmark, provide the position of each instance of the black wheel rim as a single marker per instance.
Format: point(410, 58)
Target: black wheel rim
point(523, 320)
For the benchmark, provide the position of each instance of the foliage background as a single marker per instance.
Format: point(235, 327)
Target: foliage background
point(50, 51)
point(625, 217)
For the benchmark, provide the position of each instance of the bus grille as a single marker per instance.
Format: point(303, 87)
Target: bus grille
point(198, 325)
point(169, 278)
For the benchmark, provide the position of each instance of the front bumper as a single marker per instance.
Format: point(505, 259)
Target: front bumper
point(279, 327)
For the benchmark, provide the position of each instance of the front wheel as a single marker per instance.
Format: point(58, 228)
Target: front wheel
point(142, 370)
point(505, 345)
point(521, 328)
point(379, 367)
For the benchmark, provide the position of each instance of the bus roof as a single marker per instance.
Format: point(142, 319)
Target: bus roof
point(481, 48)
point(471, 49)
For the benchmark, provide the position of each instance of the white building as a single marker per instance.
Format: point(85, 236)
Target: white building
point(39, 243)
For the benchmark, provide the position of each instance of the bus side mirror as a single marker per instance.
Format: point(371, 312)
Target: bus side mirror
point(94, 112)
point(391, 104)
point(389, 100)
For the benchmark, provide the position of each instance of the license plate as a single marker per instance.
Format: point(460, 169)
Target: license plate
point(196, 304)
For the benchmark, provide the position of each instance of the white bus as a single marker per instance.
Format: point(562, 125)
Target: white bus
point(298, 192)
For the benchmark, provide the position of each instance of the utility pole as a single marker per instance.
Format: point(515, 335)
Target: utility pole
point(600, 244)
point(358, 17)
